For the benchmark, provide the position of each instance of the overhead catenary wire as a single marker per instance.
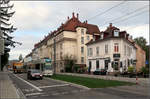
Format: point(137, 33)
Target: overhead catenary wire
point(106, 10)
point(127, 14)
point(132, 16)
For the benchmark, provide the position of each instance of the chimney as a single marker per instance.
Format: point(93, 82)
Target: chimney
point(68, 17)
point(110, 25)
point(86, 21)
point(73, 14)
point(77, 15)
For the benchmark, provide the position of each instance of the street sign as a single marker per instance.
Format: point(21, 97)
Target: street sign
point(116, 55)
point(146, 62)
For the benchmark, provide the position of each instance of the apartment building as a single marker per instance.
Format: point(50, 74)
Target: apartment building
point(70, 39)
point(111, 51)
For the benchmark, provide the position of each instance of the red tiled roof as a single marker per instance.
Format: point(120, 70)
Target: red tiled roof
point(71, 25)
point(108, 34)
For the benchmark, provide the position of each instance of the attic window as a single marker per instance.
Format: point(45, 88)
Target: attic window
point(116, 33)
point(82, 31)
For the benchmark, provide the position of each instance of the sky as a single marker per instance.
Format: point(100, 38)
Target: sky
point(35, 19)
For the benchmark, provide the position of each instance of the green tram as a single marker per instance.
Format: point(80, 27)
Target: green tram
point(44, 65)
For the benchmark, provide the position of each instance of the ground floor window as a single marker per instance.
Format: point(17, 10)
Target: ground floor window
point(82, 59)
point(97, 64)
point(106, 64)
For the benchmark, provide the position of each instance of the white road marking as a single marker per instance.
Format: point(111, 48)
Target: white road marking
point(32, 94)
point(28, 83)
point(54, 86)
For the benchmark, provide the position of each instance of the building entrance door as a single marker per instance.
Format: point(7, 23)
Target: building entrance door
point(116, 64)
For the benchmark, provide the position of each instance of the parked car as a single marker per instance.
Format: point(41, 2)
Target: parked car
point(100, 72)
point(34, 74)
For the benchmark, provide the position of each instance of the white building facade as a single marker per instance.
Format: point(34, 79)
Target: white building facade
point(111, 52)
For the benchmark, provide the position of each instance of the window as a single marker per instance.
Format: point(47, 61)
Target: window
point(82, 49)
point(106, 49)
point(82, 31)
point(125, 50)
point(116, 47)
point(91, 51)
point(128, 51)
point(97, 51)
point(82, 40)
point(82, 59)
point(88, 52)
point(97, 64)
point(88, 38)
point(116, 33)
point(61, 55)
point(61, 46)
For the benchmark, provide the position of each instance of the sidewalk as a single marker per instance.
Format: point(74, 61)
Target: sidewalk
point(7, 88)
point(141, 81)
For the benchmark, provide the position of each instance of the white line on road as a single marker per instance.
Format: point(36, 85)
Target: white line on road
point(28, 83)
point(54, 86)
point(32, 94)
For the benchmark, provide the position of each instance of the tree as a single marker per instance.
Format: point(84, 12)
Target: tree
point(6, 28)
point(141, 41)
point(69, 62)
point(20, 57)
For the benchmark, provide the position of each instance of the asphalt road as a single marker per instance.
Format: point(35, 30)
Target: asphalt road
point(51, 89)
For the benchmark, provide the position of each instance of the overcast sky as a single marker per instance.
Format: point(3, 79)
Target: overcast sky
point(35, 19)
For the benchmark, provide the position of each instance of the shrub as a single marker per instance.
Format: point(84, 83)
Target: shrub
point(130, 69)
point(144, 70)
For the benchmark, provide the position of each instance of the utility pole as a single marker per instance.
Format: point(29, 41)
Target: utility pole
point(54, 55)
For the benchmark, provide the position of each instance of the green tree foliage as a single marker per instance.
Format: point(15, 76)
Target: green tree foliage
point(141, 41)
point(144, 70)
point(69, 62)
point(6, 28)
point(130, 69)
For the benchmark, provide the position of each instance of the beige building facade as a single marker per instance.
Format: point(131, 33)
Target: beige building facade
point(70, 38)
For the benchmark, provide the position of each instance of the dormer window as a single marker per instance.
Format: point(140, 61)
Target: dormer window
point(116, 33)
point(82, 31)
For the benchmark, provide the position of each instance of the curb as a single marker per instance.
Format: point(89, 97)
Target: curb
point(20, 93)
point(18, 90)
point(72, 84)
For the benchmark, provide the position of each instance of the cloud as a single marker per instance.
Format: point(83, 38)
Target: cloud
point(27, 41)
point(34, 19)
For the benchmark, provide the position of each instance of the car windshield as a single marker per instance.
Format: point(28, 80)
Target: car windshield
point(35, 71)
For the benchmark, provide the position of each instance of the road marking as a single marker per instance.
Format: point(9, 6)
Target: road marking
point(54, 86)
point(32, 94)
point(28, 83)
